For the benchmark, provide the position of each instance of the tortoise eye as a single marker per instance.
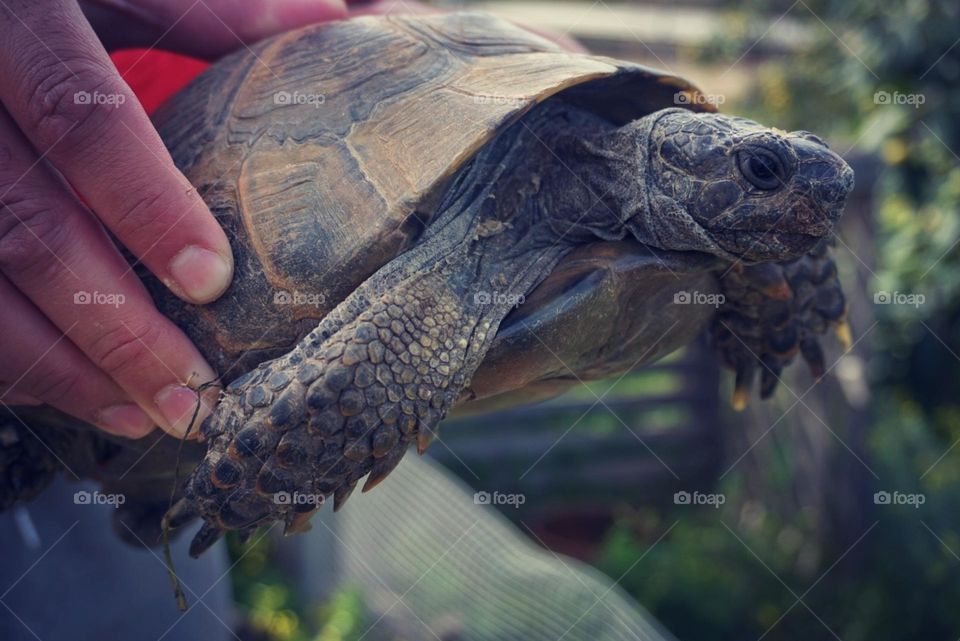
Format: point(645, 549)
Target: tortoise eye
point(762, 168)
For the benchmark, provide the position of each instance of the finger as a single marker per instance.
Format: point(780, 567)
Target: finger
point(54, 252)
point(208, 29)
point(10, 396)
point(39, 363)
point(59, 85)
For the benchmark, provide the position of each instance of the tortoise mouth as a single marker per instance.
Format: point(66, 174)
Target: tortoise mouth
point(768, 244)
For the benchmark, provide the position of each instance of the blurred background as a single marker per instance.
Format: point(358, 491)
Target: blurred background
point(832, 511)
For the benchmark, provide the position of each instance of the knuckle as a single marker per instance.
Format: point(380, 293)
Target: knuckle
point(143, 216)
point(60, 101)
point(128, 346)
point(32, 234)
point(53, 383)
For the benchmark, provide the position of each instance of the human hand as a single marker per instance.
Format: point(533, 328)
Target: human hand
point(77, 155)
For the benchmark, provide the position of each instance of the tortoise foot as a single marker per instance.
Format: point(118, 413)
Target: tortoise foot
point(772, 312)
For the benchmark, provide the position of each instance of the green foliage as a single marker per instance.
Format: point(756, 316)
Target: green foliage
point(736, 572)
point(343, 617)
point(271, 607)
point(274, 610)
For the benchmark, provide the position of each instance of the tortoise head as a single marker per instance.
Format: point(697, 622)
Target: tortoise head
point(756, 193)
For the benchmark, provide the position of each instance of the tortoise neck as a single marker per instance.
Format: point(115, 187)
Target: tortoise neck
point(614, 168)
point(621, 192)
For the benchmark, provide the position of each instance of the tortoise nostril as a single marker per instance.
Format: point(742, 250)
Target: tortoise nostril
point(848, 178)
point(841, 186)
point(806, 135)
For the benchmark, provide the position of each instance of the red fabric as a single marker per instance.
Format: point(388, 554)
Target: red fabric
point(155, 75)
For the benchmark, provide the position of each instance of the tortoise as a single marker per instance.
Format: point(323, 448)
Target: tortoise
point(432, 212)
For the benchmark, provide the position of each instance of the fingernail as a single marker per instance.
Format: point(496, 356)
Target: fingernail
point(125, 420)
point(201, 274)
point(178, 405)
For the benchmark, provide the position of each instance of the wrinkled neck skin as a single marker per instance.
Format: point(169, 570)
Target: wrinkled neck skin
point(616, 191)
point(546, 185)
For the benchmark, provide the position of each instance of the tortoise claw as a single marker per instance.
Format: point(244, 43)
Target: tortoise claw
point(243, 536)
point(382, 468)
point(181, 513)
point(425, 437)
point(204, 539)
point(740, 398)
point(813, 355)
point(769, 378)
point(844, 335)
point(741, 389)
point(299, 523)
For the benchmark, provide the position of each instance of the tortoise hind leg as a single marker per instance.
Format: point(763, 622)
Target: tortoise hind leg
point(771, 312)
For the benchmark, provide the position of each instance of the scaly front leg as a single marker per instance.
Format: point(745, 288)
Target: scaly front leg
point(379, 373)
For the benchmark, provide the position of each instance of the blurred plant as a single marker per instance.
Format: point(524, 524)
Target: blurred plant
point(274, 610)
point(342, 618)
point(735, 573)
point(264, 594)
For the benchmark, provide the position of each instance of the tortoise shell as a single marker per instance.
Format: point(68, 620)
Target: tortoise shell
point(324, 151)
